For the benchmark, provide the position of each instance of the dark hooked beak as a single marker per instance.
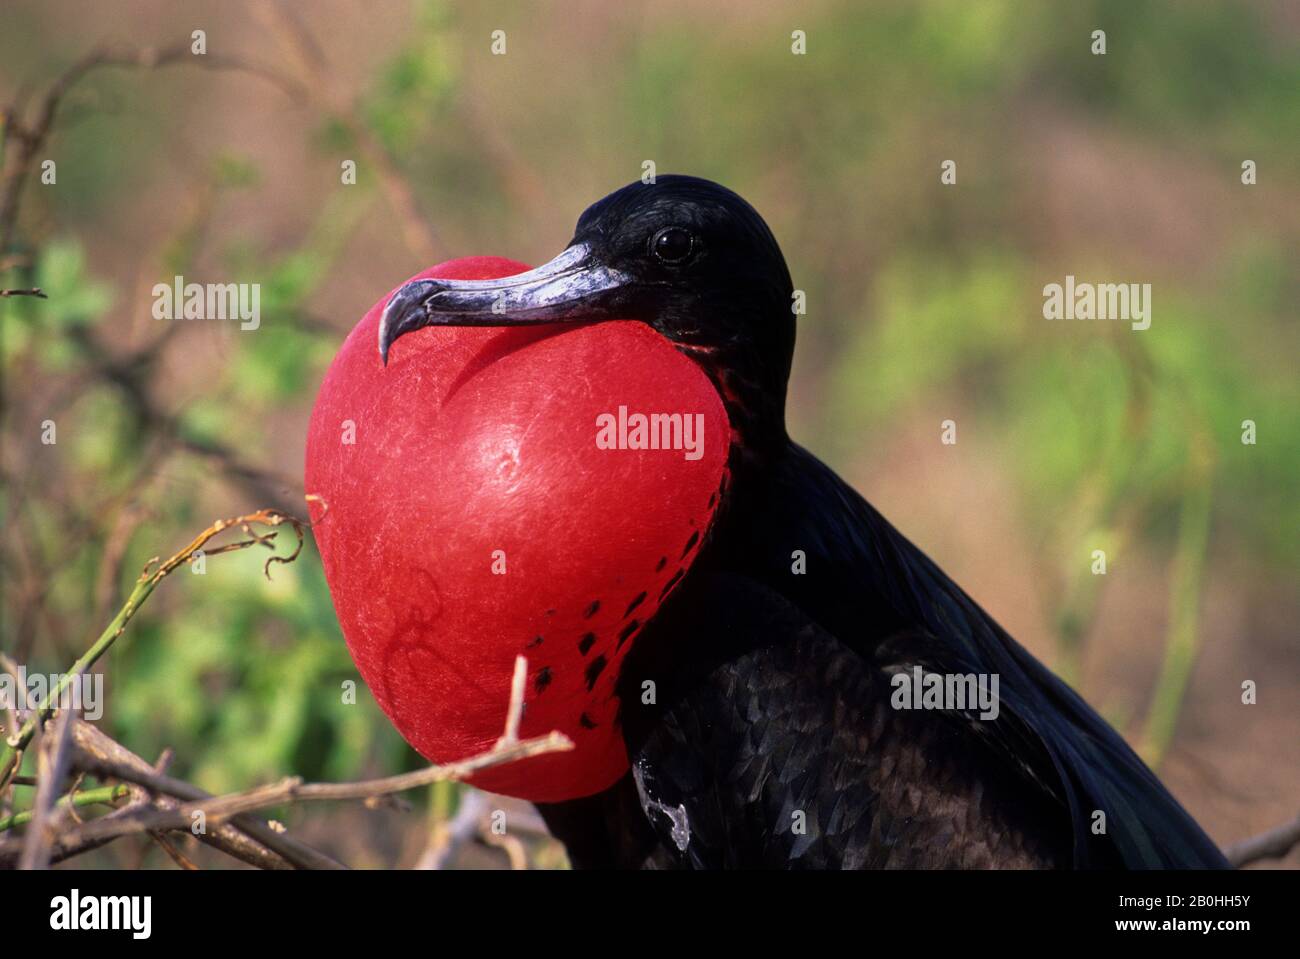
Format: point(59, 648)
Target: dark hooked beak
point(572, 287)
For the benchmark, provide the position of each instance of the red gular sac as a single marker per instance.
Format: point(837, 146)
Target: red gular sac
point(469, 508)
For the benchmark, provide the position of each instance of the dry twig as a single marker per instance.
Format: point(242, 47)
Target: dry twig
point(300, 46)
point(30, 137)
point(1274, 844)
point(154, 816)
point(149, 579)
point(52, 766)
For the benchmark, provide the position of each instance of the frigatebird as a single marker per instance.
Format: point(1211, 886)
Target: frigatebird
point(775, 738)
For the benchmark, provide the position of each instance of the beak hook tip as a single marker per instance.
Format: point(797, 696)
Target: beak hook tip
point(383, 339)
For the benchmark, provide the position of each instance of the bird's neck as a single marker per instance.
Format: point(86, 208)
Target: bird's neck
point(755, 406)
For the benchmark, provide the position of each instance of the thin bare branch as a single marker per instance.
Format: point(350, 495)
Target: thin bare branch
point(144, 587)
point(30, 137)
point(301, 47)
point(246, 838)
point(516, 713)
point(1274, 844)
point(101, 756)
point(52, 767)
point(174, 853)
point(293, 789)
point(449, 837)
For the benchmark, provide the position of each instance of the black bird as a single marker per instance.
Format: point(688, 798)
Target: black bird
point(774, 742)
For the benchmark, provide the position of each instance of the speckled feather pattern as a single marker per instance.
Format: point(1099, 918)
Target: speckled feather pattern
point(788, 755)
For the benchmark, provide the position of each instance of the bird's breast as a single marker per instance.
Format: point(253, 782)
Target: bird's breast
point(492, 493)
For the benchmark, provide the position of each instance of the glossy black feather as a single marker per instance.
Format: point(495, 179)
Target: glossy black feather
point(772, 697)
point(772, 688)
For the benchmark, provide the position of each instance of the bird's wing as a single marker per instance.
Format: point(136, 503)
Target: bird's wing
point(1090, 764)
point(767, 742)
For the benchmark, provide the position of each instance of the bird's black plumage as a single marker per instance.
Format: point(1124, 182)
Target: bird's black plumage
point(771, 740)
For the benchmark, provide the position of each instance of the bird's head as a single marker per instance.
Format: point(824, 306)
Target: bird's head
point(684, 255)
point(493, 491)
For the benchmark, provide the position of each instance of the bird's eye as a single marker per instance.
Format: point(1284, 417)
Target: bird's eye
point(672, 245)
